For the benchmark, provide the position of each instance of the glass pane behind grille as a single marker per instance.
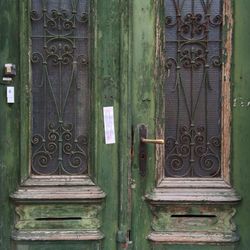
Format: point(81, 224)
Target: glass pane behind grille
point(60, 87)
point(193, 31)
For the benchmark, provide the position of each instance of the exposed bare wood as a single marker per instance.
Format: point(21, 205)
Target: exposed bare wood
point(58, 181)
point(193, 183)
point(56, 235)
point(191, 237)
point(226, 92)
point(195, 195)
point(45, 194)
point(160, 77)
point(193, 218)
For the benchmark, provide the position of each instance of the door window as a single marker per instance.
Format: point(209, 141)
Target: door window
point(60, 87)
point(193, 31)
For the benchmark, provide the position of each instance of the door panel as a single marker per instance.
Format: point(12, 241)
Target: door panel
point(52, 208)
point(167, 209)
point(114, 206)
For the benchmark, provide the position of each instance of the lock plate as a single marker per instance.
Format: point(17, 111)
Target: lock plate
point(143, 151)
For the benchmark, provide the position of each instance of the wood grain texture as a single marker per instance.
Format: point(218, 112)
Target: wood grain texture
point(191, 238)
point(9, 118)
point(125, 137)
point(143, 111)
point(195, 195)
point(65, 193)
point(106, 87)
point(53, 235)
point(240, 161)
point(58, 217)
point(226, 114)
point(193, 223)
point(106, 161)
point(104, 70)
point(63, 245)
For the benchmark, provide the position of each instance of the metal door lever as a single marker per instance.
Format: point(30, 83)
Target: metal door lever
point(143, 148)
point(152, 141)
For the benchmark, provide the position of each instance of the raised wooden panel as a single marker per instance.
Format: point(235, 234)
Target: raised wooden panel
point(58, 222)
point(58, 217)
point(176, 223)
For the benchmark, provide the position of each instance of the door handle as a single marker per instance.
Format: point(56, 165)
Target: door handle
point(152, 141)
point(143, 148)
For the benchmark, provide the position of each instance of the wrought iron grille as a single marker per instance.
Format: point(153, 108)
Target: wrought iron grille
point(193, 33)
point(60, 87)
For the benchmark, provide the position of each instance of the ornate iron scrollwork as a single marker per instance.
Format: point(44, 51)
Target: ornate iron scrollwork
point(60, 88)
point(193, 31)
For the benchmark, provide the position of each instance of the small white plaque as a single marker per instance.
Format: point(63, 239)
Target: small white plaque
point(10, 94)
point(7, 79)
point(109, 125)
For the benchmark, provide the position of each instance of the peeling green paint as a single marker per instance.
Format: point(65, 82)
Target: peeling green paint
point(63, 216)
point(123, 76)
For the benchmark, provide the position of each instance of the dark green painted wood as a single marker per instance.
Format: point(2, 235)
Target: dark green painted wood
point(142, 95)
point(25, 88)
point(9, 119)
point(241, 118)
point(143, 59)
point(106, 81)
point(123, 55)
point(124, 127)
point(60, 216)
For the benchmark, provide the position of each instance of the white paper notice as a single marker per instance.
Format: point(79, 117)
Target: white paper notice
point(109, 125)
point(10, 94)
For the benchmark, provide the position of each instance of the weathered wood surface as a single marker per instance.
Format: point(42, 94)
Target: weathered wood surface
point(143, 110)
point(57, 236)
point(61, 245)
point(240, 157)
point(58, 216)
point(226, 90)
point(193, 238)
point(9, 119)
point(185, 224)
point(107, 76)
point(58, 181)
point(146, 96)
point(50, 193)
point(195, 195)
point(106, 82)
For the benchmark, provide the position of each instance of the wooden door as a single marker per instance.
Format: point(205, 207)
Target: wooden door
point(65, 176)
point(181, 92)
point(63, 186)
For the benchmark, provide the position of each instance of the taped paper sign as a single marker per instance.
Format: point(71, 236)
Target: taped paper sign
point(109, 125)
point(10, 94)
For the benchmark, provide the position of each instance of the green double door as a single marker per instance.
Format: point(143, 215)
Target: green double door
point(93, 80)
